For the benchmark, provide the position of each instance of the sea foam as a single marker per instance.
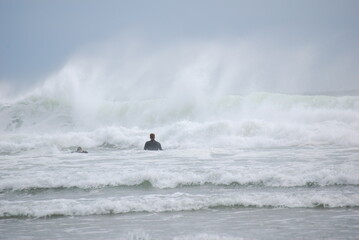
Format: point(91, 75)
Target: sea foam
point(237, 121)
point(174, 177)
point(174, 202)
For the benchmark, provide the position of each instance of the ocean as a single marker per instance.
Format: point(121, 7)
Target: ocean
point(253, 166)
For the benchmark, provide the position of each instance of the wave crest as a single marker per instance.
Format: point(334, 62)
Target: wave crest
point(250, 121)
point(174, 202)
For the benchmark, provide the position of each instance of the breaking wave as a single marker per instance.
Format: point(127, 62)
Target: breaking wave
point(170, 179)
point(234, 121)
point(174, 202)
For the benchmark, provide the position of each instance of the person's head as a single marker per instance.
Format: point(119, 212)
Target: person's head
point(79, 149)
point(152, 136)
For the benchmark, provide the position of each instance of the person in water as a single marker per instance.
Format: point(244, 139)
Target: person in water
point(80, 150)
point(153, 145)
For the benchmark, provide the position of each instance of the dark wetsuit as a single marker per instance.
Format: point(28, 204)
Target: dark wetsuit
point(81, 151)
point(153, 145)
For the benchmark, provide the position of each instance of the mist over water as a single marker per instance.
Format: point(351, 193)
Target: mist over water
point(203, 94)
point(244, 144)
point(255, 103)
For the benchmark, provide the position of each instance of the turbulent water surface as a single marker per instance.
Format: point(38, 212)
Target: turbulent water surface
point(257, 166)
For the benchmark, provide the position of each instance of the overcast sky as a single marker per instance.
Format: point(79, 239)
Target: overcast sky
point(38, 37)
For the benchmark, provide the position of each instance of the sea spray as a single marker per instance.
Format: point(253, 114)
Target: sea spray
point(255, 120)
point(194, 95)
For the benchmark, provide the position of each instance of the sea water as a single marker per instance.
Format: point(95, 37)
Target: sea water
point(254, 166)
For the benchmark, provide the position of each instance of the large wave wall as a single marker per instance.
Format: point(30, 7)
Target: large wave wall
point(254, 120)
point(190, 103)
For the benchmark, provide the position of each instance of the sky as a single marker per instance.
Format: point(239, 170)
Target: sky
point(307, 45)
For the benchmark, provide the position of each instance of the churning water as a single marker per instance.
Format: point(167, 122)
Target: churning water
point(250, 166)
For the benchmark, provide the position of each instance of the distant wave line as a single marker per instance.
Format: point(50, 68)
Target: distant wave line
point(147, 184)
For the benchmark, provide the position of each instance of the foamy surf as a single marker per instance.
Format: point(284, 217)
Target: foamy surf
point(171, 178)
point(259, 120)
point(223, 154)
point(177, 202)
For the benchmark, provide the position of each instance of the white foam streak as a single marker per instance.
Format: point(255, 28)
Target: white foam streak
point(174, 202)
point(286, 176)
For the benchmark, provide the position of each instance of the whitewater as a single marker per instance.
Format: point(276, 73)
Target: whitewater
point(255, 165)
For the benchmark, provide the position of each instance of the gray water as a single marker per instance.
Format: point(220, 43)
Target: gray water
point(216, 193)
